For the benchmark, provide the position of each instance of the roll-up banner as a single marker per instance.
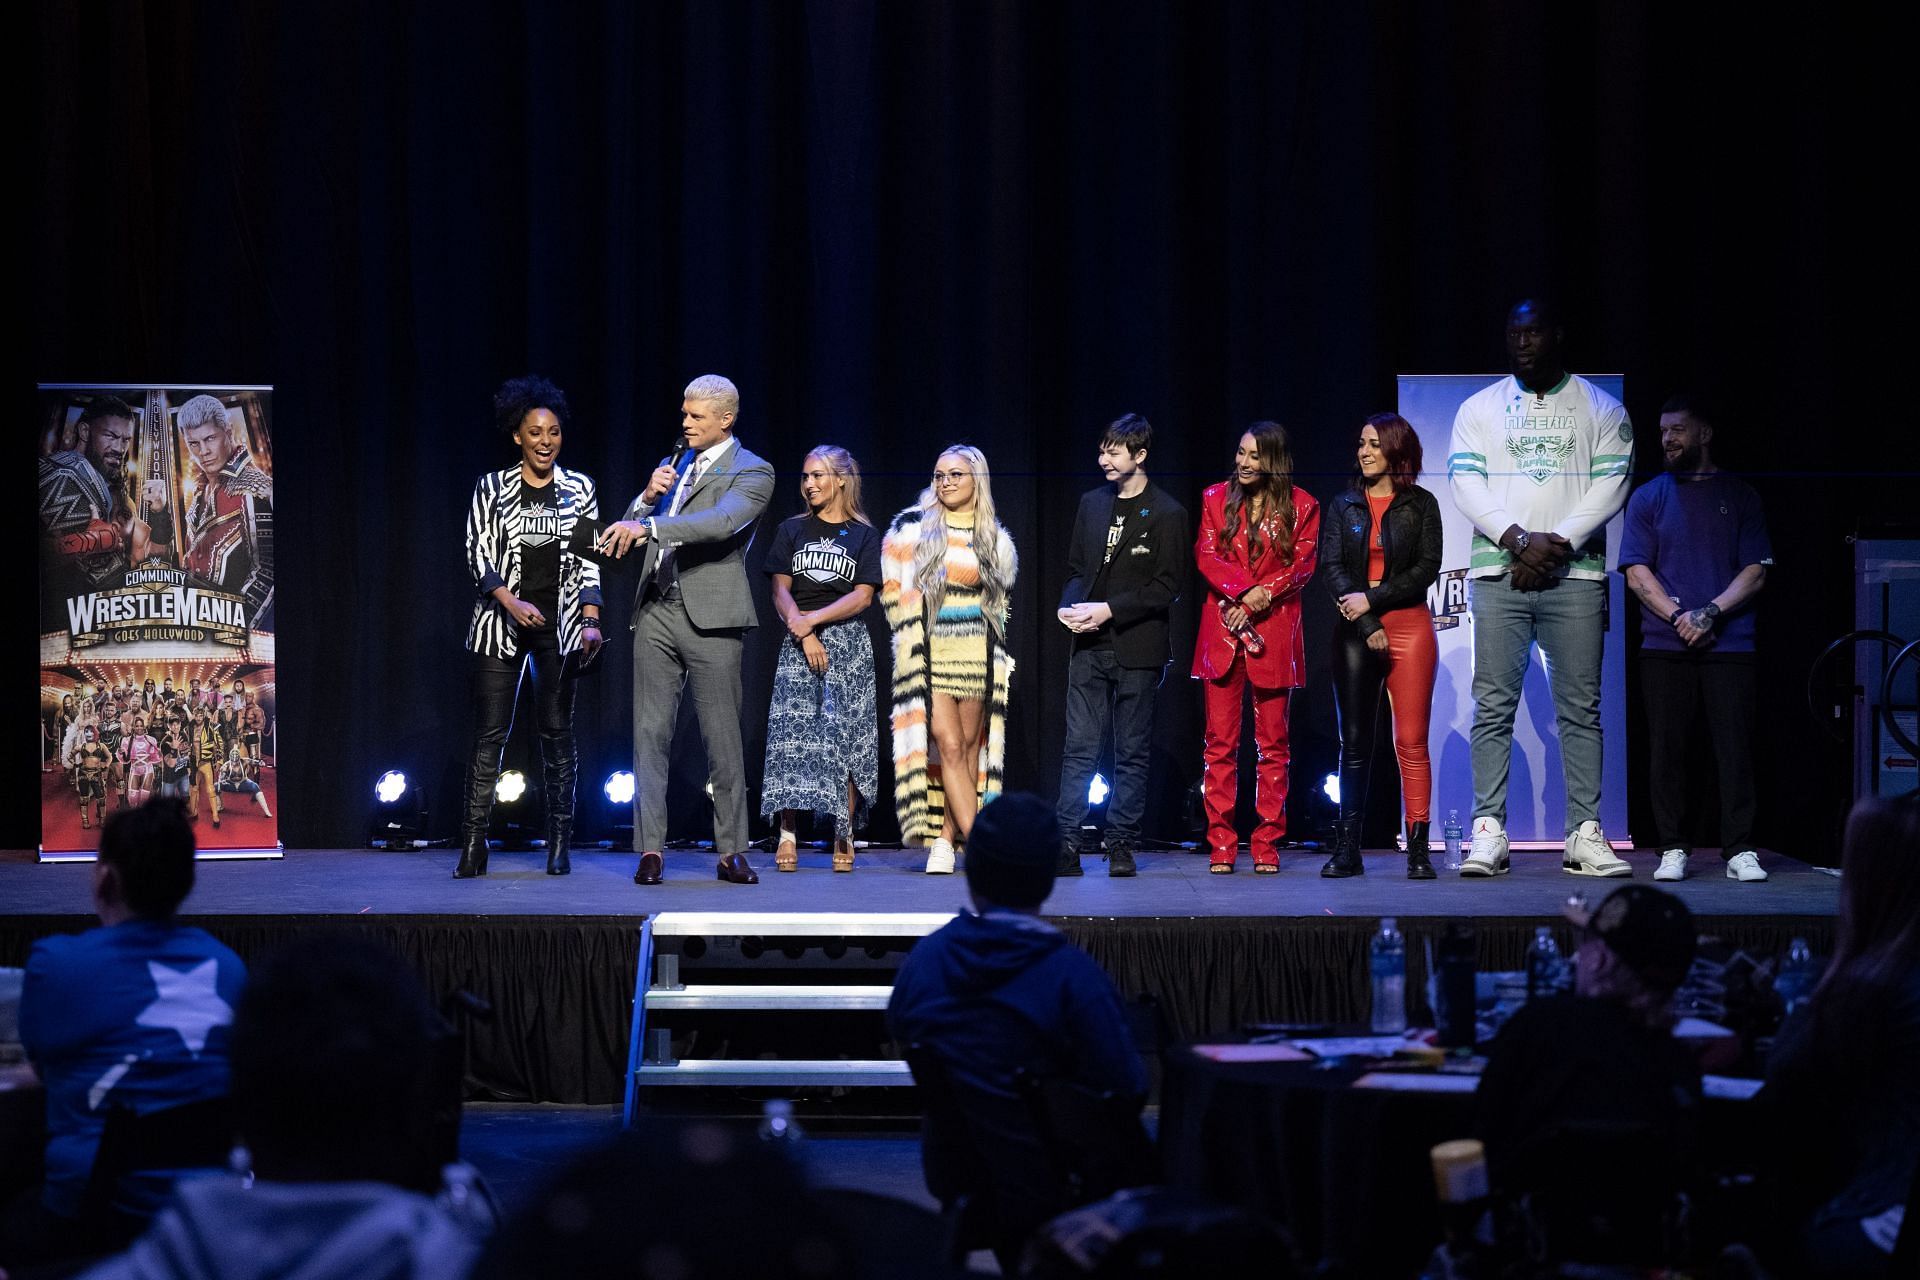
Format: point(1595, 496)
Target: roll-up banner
point(156, 612)
point(1536, 785)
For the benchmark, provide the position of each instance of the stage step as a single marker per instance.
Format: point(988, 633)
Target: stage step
point(769, 995)
point(658, 991)
point(797, 924)
point(740, 1073)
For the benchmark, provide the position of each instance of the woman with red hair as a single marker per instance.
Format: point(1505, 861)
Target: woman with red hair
point(1258, 536)
point(1379, 552)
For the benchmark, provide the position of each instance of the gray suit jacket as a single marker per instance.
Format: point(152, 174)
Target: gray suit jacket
point(710, 537)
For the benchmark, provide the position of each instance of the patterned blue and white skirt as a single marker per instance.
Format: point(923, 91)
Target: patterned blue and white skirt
point(822, 730)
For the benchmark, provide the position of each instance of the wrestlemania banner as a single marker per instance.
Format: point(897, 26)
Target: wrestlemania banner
point(156, 612)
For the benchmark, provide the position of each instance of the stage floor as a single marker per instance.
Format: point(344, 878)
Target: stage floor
point(347, 882)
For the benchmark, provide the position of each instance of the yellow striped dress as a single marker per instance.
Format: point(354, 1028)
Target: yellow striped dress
point(958, 646)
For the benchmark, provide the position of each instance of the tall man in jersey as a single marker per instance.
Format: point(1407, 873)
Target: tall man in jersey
point(1539, 463)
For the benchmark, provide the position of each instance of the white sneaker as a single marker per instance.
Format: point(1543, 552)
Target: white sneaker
point(940, 857)
point(1673, 865)
point(1589, 854)
point(1488, 853)
point(1745, 866)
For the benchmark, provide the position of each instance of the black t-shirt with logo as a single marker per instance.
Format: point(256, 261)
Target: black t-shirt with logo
point(825, 560)
point(540, 548)
point(1116, 525)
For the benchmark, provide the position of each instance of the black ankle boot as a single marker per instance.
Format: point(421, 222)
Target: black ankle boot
point(473, 857)
point(1068, 861)
point(559, 846)
point(1419, 866)
point(1346, 851)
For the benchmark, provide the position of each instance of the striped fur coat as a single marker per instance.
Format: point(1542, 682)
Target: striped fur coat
point(919, 795)
point(493, 558)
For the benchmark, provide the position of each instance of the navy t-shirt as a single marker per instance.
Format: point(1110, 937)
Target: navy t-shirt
point(825, 560)
point(1696, 536)
point(135, 1015)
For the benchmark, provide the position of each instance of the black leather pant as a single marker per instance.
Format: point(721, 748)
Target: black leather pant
point(496, 687)
point(1359, 676)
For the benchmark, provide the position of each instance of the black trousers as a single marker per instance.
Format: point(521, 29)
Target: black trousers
point(1678, 688)
point(496, 688)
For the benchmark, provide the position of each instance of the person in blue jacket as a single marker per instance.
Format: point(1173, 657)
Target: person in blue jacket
point(134, 1014)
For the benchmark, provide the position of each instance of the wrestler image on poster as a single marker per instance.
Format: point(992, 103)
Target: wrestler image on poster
point(229, 522)
point(90, 521)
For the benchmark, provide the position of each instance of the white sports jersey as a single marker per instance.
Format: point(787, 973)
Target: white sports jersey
point(1557, 461)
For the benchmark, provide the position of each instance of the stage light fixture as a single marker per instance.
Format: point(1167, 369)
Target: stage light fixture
point(1330, 787)
point(399, 818)
point(619, 787)
point(1097, 790)
point(511, 786)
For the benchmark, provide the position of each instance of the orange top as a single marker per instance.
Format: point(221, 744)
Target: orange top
point(1377, 554)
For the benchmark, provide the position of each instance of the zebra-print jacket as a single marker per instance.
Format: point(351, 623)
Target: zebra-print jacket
point(493, 557)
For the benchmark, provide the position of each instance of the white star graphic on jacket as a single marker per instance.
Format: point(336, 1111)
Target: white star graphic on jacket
point(186, 1002)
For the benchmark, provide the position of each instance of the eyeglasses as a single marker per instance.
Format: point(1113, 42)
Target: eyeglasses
point(951, 477)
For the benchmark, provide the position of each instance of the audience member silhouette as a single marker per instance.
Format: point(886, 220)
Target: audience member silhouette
point(136, 1015)
point(1842, 1101)
point(339, 1095)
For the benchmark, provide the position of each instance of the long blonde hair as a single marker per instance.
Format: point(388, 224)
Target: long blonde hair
point(930, 552)
point(842, 464)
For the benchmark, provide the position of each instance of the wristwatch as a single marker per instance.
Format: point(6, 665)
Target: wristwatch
point(1520, 540)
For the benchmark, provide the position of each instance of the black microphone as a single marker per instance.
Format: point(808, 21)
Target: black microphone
point(680, 447)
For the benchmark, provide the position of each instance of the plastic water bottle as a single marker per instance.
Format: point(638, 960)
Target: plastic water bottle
point(777, 1124)
point(1453, 835)
point(1546, 968)
point(1798, 973)
point(1389, 955)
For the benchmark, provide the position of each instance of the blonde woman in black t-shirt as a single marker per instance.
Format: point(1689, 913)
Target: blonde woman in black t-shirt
point(822, 748)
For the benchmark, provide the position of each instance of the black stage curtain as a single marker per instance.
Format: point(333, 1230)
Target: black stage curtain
point(900, 224)
point(561, 989)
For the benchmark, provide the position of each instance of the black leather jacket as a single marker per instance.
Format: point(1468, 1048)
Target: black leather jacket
point(1410, 535)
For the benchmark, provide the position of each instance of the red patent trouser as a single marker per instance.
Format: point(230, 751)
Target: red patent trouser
point(1221, 781)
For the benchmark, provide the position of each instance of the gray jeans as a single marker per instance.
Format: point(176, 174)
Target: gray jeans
point(1567, 621)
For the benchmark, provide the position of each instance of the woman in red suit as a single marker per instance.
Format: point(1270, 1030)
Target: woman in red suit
point(1258, 536)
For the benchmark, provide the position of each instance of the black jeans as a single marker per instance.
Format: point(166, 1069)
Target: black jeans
point(496, 687)
point(1677, 687)
point(1103, 697)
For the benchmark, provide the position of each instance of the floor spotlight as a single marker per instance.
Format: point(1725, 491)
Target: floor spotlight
point(619, 787)
point(511, 786)
point(1097, 790)
point(1330, 787)
point(399, 819)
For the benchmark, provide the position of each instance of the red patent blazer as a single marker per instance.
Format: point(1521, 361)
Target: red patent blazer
point(1229, 575)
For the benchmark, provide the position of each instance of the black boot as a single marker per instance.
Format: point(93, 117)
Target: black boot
point(473, 828)
point(1346, 851)
point(559, 763)
point(1120, 862)
point(473, 856)
point(559, 845)
point(1419, 866)
point(1068, 863)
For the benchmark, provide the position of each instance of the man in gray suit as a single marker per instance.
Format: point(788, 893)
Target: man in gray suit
point(690, 617)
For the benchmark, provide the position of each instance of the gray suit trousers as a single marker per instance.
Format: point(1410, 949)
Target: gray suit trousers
point(671, 654)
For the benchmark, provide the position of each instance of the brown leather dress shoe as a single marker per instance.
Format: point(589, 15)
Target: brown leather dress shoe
point(651, 865)
point(735, 869)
